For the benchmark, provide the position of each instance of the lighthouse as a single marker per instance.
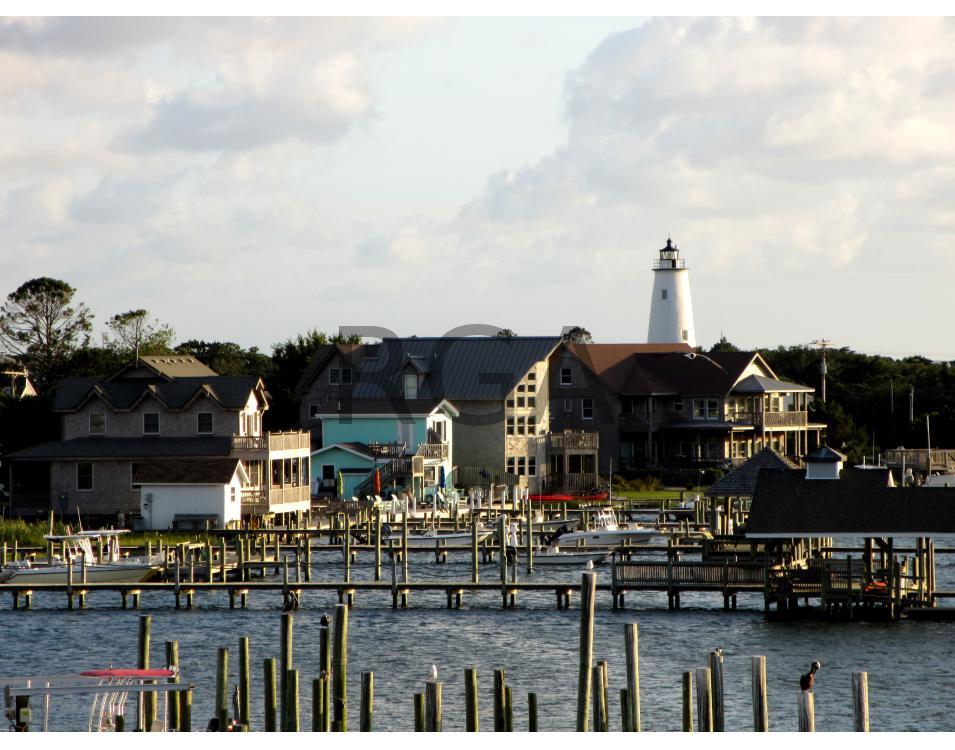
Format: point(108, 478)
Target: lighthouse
point(671, 310)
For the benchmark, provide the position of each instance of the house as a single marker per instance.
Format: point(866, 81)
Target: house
point(172, 408)
point(187, 493)
point(664, 404)
point(410, 442)
point(499, 388)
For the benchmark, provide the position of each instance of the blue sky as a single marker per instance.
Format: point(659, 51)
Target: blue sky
point(247, 180)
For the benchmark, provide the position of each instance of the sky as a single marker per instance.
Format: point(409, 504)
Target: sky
point(250, 179)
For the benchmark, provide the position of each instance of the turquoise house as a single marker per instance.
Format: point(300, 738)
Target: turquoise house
point(408, 440)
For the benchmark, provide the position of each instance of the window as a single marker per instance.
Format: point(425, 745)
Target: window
point(132, 473)
point(521, 466)
point(346, 376)
point(520, 402)
point(510, 425)
point(532, 402)
point(532, 376)
point(510, 466)
point(531, 425)
point(566, 376)
point(411, 385)
point(685, 334)
point(532, 387)
point(712, 408)
point(334, 376)
point(568, 405)
point(532, 466)
point(313, 411)
point(97, 424)
point(328, 472)
point(586, 408)
point(510, 403)
point(151, 423)
point(521, 426)
point(204, 422)
point(663, 294)
point(84, 476)
point(678, 404)
point(520, 388)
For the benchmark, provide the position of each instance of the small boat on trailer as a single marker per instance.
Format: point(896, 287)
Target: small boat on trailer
point(110, 688)
point(82, 563)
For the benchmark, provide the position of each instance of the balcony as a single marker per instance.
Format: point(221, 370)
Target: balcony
point(571, 441)
point(770, 420)
point(433, 451)
point(259, 447)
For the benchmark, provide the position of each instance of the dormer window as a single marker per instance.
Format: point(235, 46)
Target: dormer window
point(334, 374)
point(340, 376)
point(97, 424)
point(566, 376)
point(411, 385)
point(346, 376)
point(151, 423)
point(204, 422)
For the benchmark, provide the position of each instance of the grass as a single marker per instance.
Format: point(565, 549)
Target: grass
point(30, 534)
point(648, 494)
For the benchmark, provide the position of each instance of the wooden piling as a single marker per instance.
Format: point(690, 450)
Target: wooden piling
point(688, 701)
point(631, 643)
point(716, 689)
point(433, 710)
point(471, 700)
point(502, 546)
point(185, 711)
point(532, 712)
point(625, 724)
point(588, 590)
point(286, 662)
point(245, 684)
point(340, 670)
point(860, 701)
point(271, 697)
point(508, 709)
point(222, 689)
point(172, 662)
point(292, 715)
point(530, 539)
point(419, 712)
point(475, 563)
point(807, 712)
point(367, 701)
point(148, 716)
point(704, 700)
point(760, 703)
point(500, 685)
point(404, 544)
point(600, 708)
point(346, 548)
point(377, 531)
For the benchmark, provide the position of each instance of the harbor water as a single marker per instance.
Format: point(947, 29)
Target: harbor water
point(911, 665)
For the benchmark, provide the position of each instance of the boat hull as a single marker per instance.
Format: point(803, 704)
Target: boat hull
point(58, 574)
point(441, 540)
point(609, 538)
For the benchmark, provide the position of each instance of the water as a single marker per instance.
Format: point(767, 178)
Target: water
point(911, 665)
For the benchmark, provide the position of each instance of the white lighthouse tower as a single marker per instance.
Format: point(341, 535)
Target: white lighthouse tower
point(671, 310)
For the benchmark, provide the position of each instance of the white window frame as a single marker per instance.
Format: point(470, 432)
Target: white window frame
point(97, 414)
point(212, 423)
point(570, 376)
point(158, 423)
point(583, 409)
point(411, 379)
point(334, 376)
point(342, 379)
point(568, 406)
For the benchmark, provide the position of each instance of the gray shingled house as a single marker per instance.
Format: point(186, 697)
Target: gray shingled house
point(156, 409)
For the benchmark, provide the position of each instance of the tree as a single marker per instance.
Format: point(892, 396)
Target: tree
point(228, 358)
point(723, 346)
point(132, 334)
point(41, 327)
point(577, 335)
point(505, 333)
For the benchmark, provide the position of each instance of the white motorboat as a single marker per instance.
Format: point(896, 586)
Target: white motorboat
point(82, 563)
point(554, 556)
point(432, 538)
point(606, 532)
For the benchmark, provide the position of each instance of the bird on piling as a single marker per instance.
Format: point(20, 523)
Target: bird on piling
point(433, 675)
point(807, 680)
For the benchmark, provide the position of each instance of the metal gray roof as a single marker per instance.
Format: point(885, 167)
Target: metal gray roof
point(466, 368)
point(124, 448)
point(762, 384)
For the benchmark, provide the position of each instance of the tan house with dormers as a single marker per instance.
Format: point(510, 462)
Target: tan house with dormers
point(158, 409)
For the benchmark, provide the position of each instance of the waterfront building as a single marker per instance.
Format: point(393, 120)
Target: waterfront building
point(160, 414)
point(499, 389)
point(666, 405)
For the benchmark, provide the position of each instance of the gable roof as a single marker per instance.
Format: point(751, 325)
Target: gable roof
point(762, 384)
point(189, 471)
point(825, 455)
point(741, 481)
point(166, 366)
point(358, 449)
point(231, 393)
point(861, 504)
point(320, 358)
point(454, 368)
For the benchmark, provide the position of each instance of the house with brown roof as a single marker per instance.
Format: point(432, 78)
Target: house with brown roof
point(172, 409)
point(666, 405)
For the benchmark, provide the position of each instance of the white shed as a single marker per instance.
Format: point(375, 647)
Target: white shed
point(183, 492)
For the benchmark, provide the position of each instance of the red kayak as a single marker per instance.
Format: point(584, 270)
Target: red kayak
point(587, 497)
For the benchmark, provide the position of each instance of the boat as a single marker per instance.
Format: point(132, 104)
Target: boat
point(432, 538)
point(554, 556)
point(595, 495)
point(82, 563)
point(608, 533)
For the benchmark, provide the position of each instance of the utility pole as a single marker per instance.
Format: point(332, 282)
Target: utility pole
point(822, 345)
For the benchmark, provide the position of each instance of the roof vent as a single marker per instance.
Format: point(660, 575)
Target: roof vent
point(690, 355)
